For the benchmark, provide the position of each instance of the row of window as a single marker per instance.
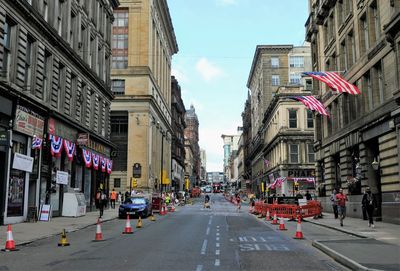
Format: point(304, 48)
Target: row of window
point(294, 62)
point(293, 118)
point(294, 153)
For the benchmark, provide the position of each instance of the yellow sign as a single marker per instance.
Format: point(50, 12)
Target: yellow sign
point(187, 184)
point(134, 182)
point(164, 178)
point(262, 187)
point(167, 181)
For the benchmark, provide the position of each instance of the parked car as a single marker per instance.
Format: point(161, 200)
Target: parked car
point(135, 207)
point(208, 189)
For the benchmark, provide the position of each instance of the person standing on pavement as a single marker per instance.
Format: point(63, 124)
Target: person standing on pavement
point(369, 203)
point(334, 203)
point(113, 198)
point(341, 203)
point(119, 197)
point(239, 203)
point(308, 195)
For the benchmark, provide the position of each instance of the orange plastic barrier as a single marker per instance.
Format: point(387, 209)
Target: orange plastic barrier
point(311, 209)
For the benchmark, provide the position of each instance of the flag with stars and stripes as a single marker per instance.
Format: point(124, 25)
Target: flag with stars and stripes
point(312, 103)
point(334, 81)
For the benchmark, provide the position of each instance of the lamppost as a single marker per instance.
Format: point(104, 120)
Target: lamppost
point(162, 160)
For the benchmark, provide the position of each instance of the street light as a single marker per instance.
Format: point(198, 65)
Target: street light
point(162, 160)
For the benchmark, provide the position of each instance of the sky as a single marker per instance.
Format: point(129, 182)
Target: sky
point(217, 40)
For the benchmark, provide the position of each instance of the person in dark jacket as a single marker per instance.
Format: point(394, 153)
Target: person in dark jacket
point(369, 203)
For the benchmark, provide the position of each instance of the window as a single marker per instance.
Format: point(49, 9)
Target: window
point(296, 61)
point(364, 34)
point(28, 61)
point(46, 74)
point(59, 17)
point(310, 153)
point(119, 125)
point(294, 78)
point(343, 56)
point(375, 23)
point(120, 39)
point(45, 10)
point(310, 119)
point(118, 87)
point(9, 32)
point(274, 62)
point(292, 118)
point(351, 49)
point(294, 153)
point(275, 80)
point(117, 182)
point(309, 85)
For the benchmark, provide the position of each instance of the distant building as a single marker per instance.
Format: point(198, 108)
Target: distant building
point(178, 141)
point(203, 166)
point(192, 135)
point(215, 177)
point(230, 145)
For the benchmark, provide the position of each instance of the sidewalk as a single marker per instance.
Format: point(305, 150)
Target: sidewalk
point(27, 232)
point(377, 249)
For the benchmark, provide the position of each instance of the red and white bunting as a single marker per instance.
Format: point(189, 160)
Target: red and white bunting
point(95, 160)
point(109, 166)
point(87, 157)
point(69, 149)
point(103, 162)
point(37, 143)
point(56, 144)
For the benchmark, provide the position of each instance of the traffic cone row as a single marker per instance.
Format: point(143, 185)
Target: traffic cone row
point(162, 211)
point(275, 220)
point(299, 233)
point(282, 224)
point(268, 216)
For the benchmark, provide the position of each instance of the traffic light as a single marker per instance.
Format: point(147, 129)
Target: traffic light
point(134, 182)
point(296, 186)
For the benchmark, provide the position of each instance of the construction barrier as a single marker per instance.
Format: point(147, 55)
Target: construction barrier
point(311, 209)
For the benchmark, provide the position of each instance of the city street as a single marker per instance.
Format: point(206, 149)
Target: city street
point(192, 238)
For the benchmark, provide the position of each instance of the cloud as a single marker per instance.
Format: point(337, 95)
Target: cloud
point(208, 70)
point(179, 75)
point(226, 2)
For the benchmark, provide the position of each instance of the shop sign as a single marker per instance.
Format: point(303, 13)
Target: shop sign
point(58, 128)
point(83, 139)
point(62, 177)
point(4, 141)
point(28, 122)
point(137, 170)
point(45, 213)
point(300, 173)
point(22, 162)
point(98, 147)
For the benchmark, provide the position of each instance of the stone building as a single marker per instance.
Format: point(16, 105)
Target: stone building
point(143, 45)
point(273, 66)
point(289, 144)
point(192, 135)
point(178, 140)
point(359, 145)
point(54, 104)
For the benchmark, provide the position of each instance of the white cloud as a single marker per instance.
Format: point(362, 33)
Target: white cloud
point(226, 2)
point(179, 75)
point(208, 70)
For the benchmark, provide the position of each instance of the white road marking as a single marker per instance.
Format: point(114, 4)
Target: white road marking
point(217, 233)
point(208, 231)
point(217, 244)
point(204, 247)
point(199, 267)
point(217, 262)
point(217, 239)
point(217, 252)
point(217, 226)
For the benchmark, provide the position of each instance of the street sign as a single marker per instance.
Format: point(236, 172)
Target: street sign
point(137, 170)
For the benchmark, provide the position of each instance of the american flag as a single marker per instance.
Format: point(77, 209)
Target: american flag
point(334, 81)
point(37, 143)
point(312, 103)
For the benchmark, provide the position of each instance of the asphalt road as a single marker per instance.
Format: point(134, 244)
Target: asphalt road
point(192, 238)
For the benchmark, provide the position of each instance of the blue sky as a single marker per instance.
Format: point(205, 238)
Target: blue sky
point(217, 41)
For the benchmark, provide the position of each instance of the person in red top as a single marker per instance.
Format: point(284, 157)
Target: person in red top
point(341, 204)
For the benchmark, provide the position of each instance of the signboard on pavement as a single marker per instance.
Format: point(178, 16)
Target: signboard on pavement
point(45, 212)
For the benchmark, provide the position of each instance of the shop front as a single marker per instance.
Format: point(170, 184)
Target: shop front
point(292, 181)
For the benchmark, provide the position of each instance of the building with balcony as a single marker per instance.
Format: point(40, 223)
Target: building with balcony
point(273, 66)
point(54, 104)
point(358, 145)
point(143, 43)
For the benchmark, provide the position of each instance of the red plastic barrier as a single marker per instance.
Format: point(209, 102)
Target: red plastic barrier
point(311, 209)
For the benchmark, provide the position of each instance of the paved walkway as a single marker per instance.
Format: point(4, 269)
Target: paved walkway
point(377, 249)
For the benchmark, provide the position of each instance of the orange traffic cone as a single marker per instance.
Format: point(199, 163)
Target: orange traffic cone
point(99, 234)
point(299, 233)
point(162, 211)
point(282, 224)
point(268, 216)
point(165, 209)
point(10, 244)
point(172, 208)
point(275, 220)
point(128, 228)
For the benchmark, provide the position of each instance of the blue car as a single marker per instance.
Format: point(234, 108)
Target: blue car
point(135, 207)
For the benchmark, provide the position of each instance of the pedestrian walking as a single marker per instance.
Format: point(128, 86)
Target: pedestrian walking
point(239, 203)
point(341, 203)
point(97, 199)
point(364, 209)
point(102, 203)
point(334, 203)
point(369, 203)
point(113, 198)
point(119, 198)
